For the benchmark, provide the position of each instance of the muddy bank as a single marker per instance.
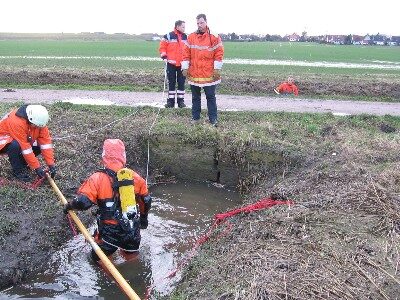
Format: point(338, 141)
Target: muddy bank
point(340, 239)
point(309, 85)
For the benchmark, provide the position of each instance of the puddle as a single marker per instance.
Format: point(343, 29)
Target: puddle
point(88, 101)
point(341, 114)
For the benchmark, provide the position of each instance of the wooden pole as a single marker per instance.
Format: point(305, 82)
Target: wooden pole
point(107, 263)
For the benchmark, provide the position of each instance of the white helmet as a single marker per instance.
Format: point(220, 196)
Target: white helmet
point(37, 115)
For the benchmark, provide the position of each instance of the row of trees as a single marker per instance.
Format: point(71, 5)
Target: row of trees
point(259, 38)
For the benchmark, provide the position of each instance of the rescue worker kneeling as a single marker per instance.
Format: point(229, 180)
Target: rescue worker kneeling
point(23, 136)
point(123, 200)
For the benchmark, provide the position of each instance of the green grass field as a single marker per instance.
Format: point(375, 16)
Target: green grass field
point(101, 56)
point(308, 52)
point(249, 50)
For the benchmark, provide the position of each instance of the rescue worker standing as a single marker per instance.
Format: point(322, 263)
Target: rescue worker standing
point(118, 218)
point(287, 87)
point(23, 136)
point(201, 63)
point(171, 48)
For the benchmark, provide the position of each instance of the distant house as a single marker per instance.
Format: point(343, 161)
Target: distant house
point(367, 40)
point(356, 39)
point(335, 39)
point(294, 37)
point(394, 41)
point(156, 38)
point(379, 39)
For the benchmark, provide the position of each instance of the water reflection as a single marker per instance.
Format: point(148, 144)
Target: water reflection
point(179, 215)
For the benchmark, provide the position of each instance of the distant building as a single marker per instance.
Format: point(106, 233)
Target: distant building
point(336, 39)
point(356, 39)
point(395, 41)
point(366, 40)
point(379, 39)
point(156, 38)
point(294, 37)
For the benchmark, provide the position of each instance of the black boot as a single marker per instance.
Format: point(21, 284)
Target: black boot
point(22, 175)
point(144, 222)
point(170, 103)
point(181, 104)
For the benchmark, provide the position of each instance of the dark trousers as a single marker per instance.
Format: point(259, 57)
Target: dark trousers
point(17, 160)
point(211, 102)
point(174, 75)
point(111, 237)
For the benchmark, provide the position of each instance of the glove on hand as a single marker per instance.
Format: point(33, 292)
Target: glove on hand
point(67, 207)
point(52, 170)
point(217, 74)
point(40, 172)
point(164, 58)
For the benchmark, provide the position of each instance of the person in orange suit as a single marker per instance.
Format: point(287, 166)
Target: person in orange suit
point(115, 229)
point(287, 87)
point(23, 136)
point(171, 48)
point(201, 64)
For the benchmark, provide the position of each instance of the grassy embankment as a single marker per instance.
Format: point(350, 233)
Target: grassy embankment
point(106, 60)
point(342, 173)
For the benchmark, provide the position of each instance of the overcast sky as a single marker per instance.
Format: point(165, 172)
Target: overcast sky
point(250, 16)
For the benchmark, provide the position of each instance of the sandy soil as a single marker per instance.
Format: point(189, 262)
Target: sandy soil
point(225, 102)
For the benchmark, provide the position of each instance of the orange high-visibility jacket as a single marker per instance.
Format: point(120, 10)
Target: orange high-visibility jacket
point(202, 54)
point(15, 127)
point(98, 188)
point(171, 45)
point(287, 88)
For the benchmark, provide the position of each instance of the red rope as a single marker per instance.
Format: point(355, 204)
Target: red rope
point(261, 204)
point(218, 220)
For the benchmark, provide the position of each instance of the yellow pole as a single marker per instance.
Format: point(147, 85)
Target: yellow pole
point(107, 263)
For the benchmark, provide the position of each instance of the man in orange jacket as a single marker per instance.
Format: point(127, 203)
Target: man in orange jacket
point(202, 62)
point(23, 136)
point(287, 87)
point(115, 229)
point(171, 48)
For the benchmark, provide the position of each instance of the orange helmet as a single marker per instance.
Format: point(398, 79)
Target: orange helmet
point(114, 156)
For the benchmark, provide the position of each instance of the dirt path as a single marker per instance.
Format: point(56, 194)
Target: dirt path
point(225, 102)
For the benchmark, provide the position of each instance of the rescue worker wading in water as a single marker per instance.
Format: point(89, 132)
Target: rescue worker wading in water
point(118, 192)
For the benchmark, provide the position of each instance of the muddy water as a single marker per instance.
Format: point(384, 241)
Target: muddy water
point(180, 214)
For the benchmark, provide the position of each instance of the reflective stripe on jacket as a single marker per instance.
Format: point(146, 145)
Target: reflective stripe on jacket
point(202, 54)
point(98, 189)
point(16, 127)
point(171, 45)
point(288, 88)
